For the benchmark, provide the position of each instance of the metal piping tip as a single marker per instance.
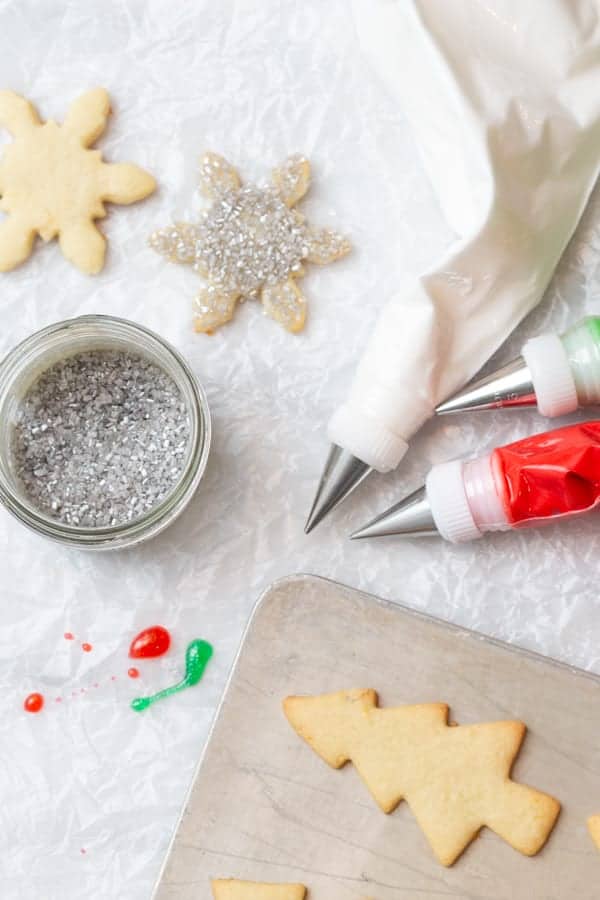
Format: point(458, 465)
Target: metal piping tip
point(509, 386)
point(412, 517)
point(343, 473)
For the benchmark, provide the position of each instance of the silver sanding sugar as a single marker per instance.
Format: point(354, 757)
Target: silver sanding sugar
point(100, 438)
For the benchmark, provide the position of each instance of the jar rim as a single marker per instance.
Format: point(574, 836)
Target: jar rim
point(158, 517)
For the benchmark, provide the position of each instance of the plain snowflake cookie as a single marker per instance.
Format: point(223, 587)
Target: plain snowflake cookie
point(53, 185)
point(456, 779)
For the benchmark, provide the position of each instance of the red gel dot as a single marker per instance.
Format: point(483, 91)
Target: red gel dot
point(33, 703)
point(83, 850)
point(68, 636)
point(86, 647)
point(153, 641)
point(58, 699)
point(133, 672)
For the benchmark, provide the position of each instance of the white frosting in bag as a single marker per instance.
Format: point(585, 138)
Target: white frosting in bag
point(504, 101)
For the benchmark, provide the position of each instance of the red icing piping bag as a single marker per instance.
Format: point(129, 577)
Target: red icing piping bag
point(534, 481)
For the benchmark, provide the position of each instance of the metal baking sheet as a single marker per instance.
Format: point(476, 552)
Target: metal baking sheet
point(264, 807)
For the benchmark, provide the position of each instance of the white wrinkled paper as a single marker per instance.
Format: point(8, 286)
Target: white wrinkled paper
point(254, 82)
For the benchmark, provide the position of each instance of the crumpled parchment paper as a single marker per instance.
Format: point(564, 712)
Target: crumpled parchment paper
point(254, 82)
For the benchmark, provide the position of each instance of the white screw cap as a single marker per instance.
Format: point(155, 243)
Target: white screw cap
point(449, 505)
point(548, 363)
point(366, 438)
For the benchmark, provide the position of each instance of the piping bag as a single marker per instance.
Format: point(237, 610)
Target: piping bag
point(504, 100)
point(535, 481)
point(558, 374)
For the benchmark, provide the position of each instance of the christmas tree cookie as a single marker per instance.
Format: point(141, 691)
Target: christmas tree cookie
point(456, 780)
point(230, 889)
point(52, 184)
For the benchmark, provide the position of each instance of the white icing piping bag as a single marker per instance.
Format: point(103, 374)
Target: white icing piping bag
point(504, 101)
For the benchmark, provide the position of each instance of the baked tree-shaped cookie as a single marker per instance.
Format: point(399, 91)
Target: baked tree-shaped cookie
point(456, 779)
point(52, 184)
point(593, 824)
point(250, 243)
point(230, 889)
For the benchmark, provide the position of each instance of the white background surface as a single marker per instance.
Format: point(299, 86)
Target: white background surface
point(254, 82)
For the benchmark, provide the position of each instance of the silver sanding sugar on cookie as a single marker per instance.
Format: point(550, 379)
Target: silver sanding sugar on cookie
point(251, 243)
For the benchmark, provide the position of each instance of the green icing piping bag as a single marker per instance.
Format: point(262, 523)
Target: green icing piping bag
point(556, 373)
point(197, 656)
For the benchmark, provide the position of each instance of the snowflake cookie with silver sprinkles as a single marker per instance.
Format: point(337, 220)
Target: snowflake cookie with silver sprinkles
point(250, 243)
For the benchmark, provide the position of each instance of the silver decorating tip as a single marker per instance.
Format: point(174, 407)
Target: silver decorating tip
point(509, 386)
point(412, 517)
point(343, 473)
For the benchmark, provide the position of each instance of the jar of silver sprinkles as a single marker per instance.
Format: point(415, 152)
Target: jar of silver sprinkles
point(104, 432)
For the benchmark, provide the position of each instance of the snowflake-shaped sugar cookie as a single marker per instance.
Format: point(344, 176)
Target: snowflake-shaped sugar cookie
point(52, 184)
point(250, 243)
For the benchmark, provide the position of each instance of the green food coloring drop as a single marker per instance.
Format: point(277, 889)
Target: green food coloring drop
point(197, 656)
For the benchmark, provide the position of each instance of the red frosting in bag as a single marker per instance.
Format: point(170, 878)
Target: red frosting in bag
point(556, 473)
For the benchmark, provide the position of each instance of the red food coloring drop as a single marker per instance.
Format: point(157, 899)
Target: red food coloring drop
point(83, 851)
point(33, 703)
point(58, 699)
point(86, 647)
point(133, 672)
point(68, 636)
point(150, 642)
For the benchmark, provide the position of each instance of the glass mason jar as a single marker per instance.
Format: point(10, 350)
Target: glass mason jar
point(26, 362)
